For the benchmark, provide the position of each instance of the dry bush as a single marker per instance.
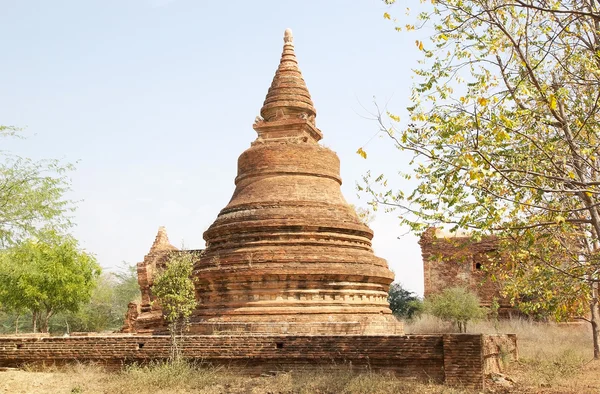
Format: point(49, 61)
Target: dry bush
point(427, 324)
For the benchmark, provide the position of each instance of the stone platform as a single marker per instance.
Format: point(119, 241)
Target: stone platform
point(455, 359)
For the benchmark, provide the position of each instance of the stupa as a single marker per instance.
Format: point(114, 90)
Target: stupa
point(288, 254)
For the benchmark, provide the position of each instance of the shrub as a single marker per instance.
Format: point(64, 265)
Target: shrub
point(456, 305)
point(404, 303)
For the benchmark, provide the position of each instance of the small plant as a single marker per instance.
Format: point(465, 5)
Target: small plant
point(494, 312)
point(456, 305)
point(174, 289)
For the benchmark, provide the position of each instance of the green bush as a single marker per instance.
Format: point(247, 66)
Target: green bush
point(456, 305)
point(403, 303)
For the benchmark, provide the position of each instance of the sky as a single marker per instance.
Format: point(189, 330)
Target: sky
point(154, 101)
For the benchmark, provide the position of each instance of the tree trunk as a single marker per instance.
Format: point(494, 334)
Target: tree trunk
point(17, 324)
point(34, 317)
point(595, 320)
point(46, 321)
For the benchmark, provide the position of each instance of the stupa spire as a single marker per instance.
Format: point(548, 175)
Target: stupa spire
point(288, 96)
point(161, 242)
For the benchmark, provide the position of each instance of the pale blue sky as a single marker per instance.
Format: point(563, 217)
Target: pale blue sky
point(156, 98)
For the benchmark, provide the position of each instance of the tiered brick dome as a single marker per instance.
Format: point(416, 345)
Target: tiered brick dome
point(288, 254)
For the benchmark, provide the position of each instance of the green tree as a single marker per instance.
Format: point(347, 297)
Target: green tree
point(107, 306)
point(456, 305)
point(504, 136)
point(31, 194)
point(174, 289)
point(403, 303)
point(46, 275)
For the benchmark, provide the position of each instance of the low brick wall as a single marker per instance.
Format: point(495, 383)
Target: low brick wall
point(457, 359)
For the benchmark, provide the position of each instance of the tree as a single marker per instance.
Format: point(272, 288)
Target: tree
point(403, 303)
point(504, 136)
point(31, 194)
point(174, 288)
point(107, 306)
point(456, 305)
point(46, 275)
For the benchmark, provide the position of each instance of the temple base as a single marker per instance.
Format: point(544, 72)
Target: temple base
point(285, 325)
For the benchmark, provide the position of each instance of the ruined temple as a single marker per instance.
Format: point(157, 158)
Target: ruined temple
point(288, 266)
point(288, 254)
point(148, 314)
point(460, 261)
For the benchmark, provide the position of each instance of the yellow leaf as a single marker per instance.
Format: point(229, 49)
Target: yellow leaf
point(552, 101)
point(420, 45)
point(560, 219)
point(362, 153)
point(482, 101)
point(395, 118)
point(386, 15)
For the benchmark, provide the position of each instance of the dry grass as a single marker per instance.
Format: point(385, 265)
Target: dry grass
point(189, 378)
point(553, 359)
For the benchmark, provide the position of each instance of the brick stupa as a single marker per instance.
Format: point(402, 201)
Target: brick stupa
point(288, 254)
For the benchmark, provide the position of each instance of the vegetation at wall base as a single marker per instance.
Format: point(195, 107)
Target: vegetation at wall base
point(174, 289)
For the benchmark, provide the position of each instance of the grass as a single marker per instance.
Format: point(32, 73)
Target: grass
point(193, 378)
point(553, 359)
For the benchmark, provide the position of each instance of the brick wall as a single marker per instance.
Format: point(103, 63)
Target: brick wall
point(457, 359)
point(461, 262)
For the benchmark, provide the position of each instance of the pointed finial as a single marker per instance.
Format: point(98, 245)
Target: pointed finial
point(161, 242)
point(288, 36)
point(288, 96)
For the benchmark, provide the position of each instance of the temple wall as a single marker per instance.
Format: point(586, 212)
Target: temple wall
point(457, 359)
point(460, 262)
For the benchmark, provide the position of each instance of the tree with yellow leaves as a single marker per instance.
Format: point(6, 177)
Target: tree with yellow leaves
point(504, 133)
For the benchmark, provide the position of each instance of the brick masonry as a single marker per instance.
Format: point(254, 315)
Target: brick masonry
point(460, 261)
point(456, 359)
point(287, 254)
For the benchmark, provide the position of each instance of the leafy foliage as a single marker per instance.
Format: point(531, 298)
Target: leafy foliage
point(456, 305)
point(505, 140)
point(364, 215)
point(404, 303)
point(105, 310)
point(31, 194)
point(107, 306)
point(174, 288)
point(46, 275)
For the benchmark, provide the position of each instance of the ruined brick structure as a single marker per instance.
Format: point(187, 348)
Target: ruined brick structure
point(288, 277)
point(147, 316)
point(458, 261)
point(456, 359)
point(287, 254)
